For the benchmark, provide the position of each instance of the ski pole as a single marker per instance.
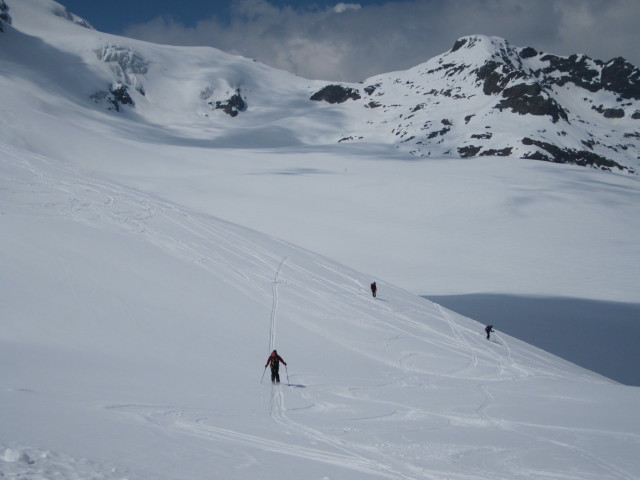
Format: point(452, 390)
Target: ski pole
point(287, 370)
point(265, 369)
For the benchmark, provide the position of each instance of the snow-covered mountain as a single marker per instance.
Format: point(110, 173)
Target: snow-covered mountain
point(484, 97)
point(487, 97)
point(170, 215)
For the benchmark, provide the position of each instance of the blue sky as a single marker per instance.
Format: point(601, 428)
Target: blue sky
point(351, 41)
point(114, 15)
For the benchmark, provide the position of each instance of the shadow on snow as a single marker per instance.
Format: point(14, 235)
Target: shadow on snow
point(600, 336)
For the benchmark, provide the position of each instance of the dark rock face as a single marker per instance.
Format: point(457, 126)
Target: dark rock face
point(469, 151)
point(435, 134)
point(613, 113)
point(617, 75)
point(523, 98)
point(583, 158)
point(121, 93)
point(371, 88)
point(576, 69)
point(498, 76)
point(472, 151)
point(609, 112)
point(117, 95)
point(459, 44)
point(336, 94)
point(531, 99)
point(482, 136)
point(120, 96)
point(620, 77)
point(528, 52)
point(495, 77)
point(503, 152)
point(233, 105)
point(4, 14)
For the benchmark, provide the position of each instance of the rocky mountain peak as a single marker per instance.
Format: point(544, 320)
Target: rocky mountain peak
point(487, 97)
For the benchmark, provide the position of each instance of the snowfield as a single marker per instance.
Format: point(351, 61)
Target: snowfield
point(136, 329)
point(151, 262)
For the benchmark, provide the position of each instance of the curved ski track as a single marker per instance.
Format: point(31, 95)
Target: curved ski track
point(101, 203)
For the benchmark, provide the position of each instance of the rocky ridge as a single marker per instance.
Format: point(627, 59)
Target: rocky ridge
point(487, 97)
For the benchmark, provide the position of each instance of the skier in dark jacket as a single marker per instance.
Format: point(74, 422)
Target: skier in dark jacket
point(274, 360)
point(374, 289)
point(488, 329)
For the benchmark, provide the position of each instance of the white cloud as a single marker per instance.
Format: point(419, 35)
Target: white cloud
point(350, 42)
point(343, 7)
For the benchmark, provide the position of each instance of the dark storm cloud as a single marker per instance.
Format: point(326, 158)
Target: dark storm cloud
point(350, 42)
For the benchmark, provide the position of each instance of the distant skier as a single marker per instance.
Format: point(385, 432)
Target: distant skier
point(488, 329)
point(274, 360)
point(374, 289)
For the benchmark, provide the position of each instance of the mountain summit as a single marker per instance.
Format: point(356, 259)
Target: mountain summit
point(487, 97)
point(484, 97)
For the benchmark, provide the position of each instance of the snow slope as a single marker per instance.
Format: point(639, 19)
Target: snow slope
point(150, 263)
point(491, 224)
point(135, 332)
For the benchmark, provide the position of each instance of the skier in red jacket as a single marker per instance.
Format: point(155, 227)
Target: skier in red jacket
point(274, 360)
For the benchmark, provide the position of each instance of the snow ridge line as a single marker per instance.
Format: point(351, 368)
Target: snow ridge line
point(274, 306)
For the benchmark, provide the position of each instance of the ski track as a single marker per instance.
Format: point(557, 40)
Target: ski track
point(335, 453)
point(136, 213)
point(128, 210)
point(389, 468)
point(375, 461)
point(92, 202)
point(588, 457)
point(274, 308)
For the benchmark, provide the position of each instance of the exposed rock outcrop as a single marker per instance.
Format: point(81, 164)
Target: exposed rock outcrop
point(126, 64)
point(4, 14)
point(531, 99)
point(117, 96)
point(336, 94)
point(556, 154)
point(232, 106)
point(494, 99)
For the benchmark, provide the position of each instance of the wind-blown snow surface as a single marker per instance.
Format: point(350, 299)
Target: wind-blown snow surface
point(135, 332)
point(137, 312)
